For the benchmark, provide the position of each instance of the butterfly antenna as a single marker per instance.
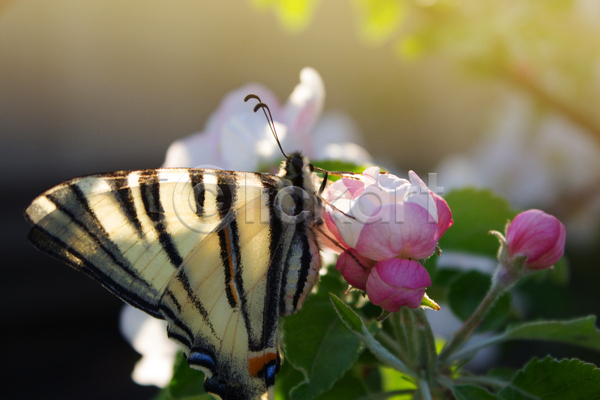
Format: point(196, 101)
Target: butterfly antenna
point(269, 118)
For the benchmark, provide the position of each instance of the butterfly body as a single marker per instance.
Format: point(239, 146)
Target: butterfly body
point(220, 255)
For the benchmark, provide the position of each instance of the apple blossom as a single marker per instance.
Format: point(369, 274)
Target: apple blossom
point(383, 216)
point(236, 138)
point(538, 236)
point(394, 283)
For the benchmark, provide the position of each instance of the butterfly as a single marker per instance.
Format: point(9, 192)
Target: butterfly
point(220, 255)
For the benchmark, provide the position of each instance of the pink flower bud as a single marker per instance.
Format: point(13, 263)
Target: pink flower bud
point(395, 282)
point(538, 236)
point(355, 274)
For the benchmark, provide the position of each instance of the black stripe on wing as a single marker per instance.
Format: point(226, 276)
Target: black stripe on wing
point(52, 245)
point(197, 181)
point(150, 189)
point(120, 186)
point(229, 239)
point(71, 201)
point(277, 257)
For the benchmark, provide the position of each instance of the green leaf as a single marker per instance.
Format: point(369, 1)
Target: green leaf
point(550, 379)
point(340, 166)
point(187, 383)
point(319, 345)
point(287, 378)
point(475, 212)
point(365, 334)
point(349, 387)
point(580, 332)
point(472, 392)
point(466, 293)
point(348, 316)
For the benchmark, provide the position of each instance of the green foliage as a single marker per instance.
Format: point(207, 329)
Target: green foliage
point(471, 392)
point(475, 212)
point(550, 379)
point(187, 383)
point(466, 293)
point(339, 166)
point(318, 344)
point(581, 332)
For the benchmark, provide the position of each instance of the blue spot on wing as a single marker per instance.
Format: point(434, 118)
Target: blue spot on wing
point(202, 359)
point(271, 372)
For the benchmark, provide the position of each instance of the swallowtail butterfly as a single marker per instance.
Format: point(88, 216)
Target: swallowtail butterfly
point(220, 255)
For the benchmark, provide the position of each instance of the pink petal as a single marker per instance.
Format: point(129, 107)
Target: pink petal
point(344, 188)
point(398, 230)
point(394, 283)
point(355, 274)
point(331, 230)
point(444, 214)
point(304, 107)
point(233, 104)
point(538, 236)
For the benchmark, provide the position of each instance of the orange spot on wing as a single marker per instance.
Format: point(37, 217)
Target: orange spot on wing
point(256, 364)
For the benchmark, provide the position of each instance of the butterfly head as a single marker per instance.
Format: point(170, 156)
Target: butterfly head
point(297, 165)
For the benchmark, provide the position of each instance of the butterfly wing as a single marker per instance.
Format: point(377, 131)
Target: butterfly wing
point(171, 242)
point(225, 313)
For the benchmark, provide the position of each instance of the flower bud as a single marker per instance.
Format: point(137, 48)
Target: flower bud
point(537, 236)
point(395, 282)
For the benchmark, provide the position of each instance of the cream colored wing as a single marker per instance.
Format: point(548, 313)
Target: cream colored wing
point(203, 249)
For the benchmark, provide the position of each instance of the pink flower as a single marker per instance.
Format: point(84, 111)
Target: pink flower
point(354, 273)
point(236, 138)
point(397, 282)
point(538, 236)
point(383, 216)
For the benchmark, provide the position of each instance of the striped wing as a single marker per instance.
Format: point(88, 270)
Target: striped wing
point(202, 249)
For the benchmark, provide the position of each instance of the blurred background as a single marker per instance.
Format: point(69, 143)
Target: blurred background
point(503, 95)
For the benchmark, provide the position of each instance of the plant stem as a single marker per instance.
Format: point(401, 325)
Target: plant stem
point(400, 333)
point(429, 340)
point(392, 344)
point(424, 389)
point(408, 324)
point(464, 333)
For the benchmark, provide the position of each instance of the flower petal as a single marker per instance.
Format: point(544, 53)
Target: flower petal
point(399, 230)
point(354, 273)
point(394, 283)
point(445, 220)
point(303, 109)
point(420, 194)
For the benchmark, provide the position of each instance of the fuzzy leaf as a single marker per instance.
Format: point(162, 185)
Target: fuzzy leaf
point(581, 332)
point(550, 379)
point(319, 345)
